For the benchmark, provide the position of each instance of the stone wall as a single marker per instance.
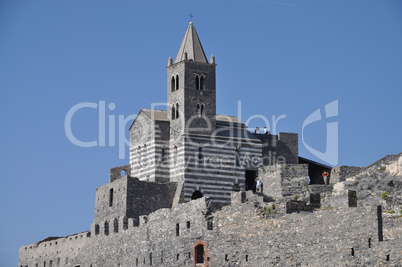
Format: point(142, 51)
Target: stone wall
point(285, 180)
point(279, 149)
point(129, 198)
point(237, 235)
point(119, 172)
point(340, 173)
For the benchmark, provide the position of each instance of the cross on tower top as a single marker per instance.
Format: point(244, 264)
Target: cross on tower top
point(191, 17)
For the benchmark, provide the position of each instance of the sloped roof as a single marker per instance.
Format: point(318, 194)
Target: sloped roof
point(155, 114)
point(192, 46)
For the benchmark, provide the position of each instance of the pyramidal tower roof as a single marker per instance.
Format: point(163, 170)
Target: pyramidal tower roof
point(191, 48)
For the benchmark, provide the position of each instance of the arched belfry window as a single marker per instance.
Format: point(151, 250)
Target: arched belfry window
point(177, 110)
point(200, 109)
point(173, 84)
point(202, 82)
point(173, 112)
point(197, 82)
point(177, 81)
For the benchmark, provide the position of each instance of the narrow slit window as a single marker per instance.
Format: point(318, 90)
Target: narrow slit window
point(111, 197)
point(177, 229)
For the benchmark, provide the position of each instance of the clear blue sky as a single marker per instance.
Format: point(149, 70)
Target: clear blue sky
point(279, 57)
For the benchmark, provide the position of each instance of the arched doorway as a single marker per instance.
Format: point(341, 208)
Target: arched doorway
point(200, 252)
point(197, 194)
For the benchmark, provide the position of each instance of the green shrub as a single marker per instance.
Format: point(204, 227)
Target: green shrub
point(384, 194)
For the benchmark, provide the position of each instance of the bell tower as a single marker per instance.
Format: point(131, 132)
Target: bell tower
point(191, 89)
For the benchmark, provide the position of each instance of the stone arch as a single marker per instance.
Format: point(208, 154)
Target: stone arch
point(172, 84)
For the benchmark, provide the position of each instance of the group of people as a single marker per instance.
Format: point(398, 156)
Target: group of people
point(257, 130)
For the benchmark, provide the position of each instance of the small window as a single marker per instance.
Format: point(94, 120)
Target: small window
point(96, 229)
point(115, 225)
point(210, 224)
point(173, 112)
point(173, 84)
point(125, 223)
point(106, 228)
point(198, 109)
point(163, 155)
point(111, 197)
point(202, 112)
point(177, 229)
point(177, 82)
point(188, 224)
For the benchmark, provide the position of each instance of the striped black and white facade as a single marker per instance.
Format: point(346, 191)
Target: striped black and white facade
point(204, 153)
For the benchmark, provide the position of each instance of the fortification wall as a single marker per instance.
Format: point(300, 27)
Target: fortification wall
point(239, 234)
point(129, 198)
point(340, 173)
point(285, 180)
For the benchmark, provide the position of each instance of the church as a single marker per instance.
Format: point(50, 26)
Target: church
point(204, 153)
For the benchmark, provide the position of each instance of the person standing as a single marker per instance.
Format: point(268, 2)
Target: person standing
point(325, 177)
point(258, 185)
